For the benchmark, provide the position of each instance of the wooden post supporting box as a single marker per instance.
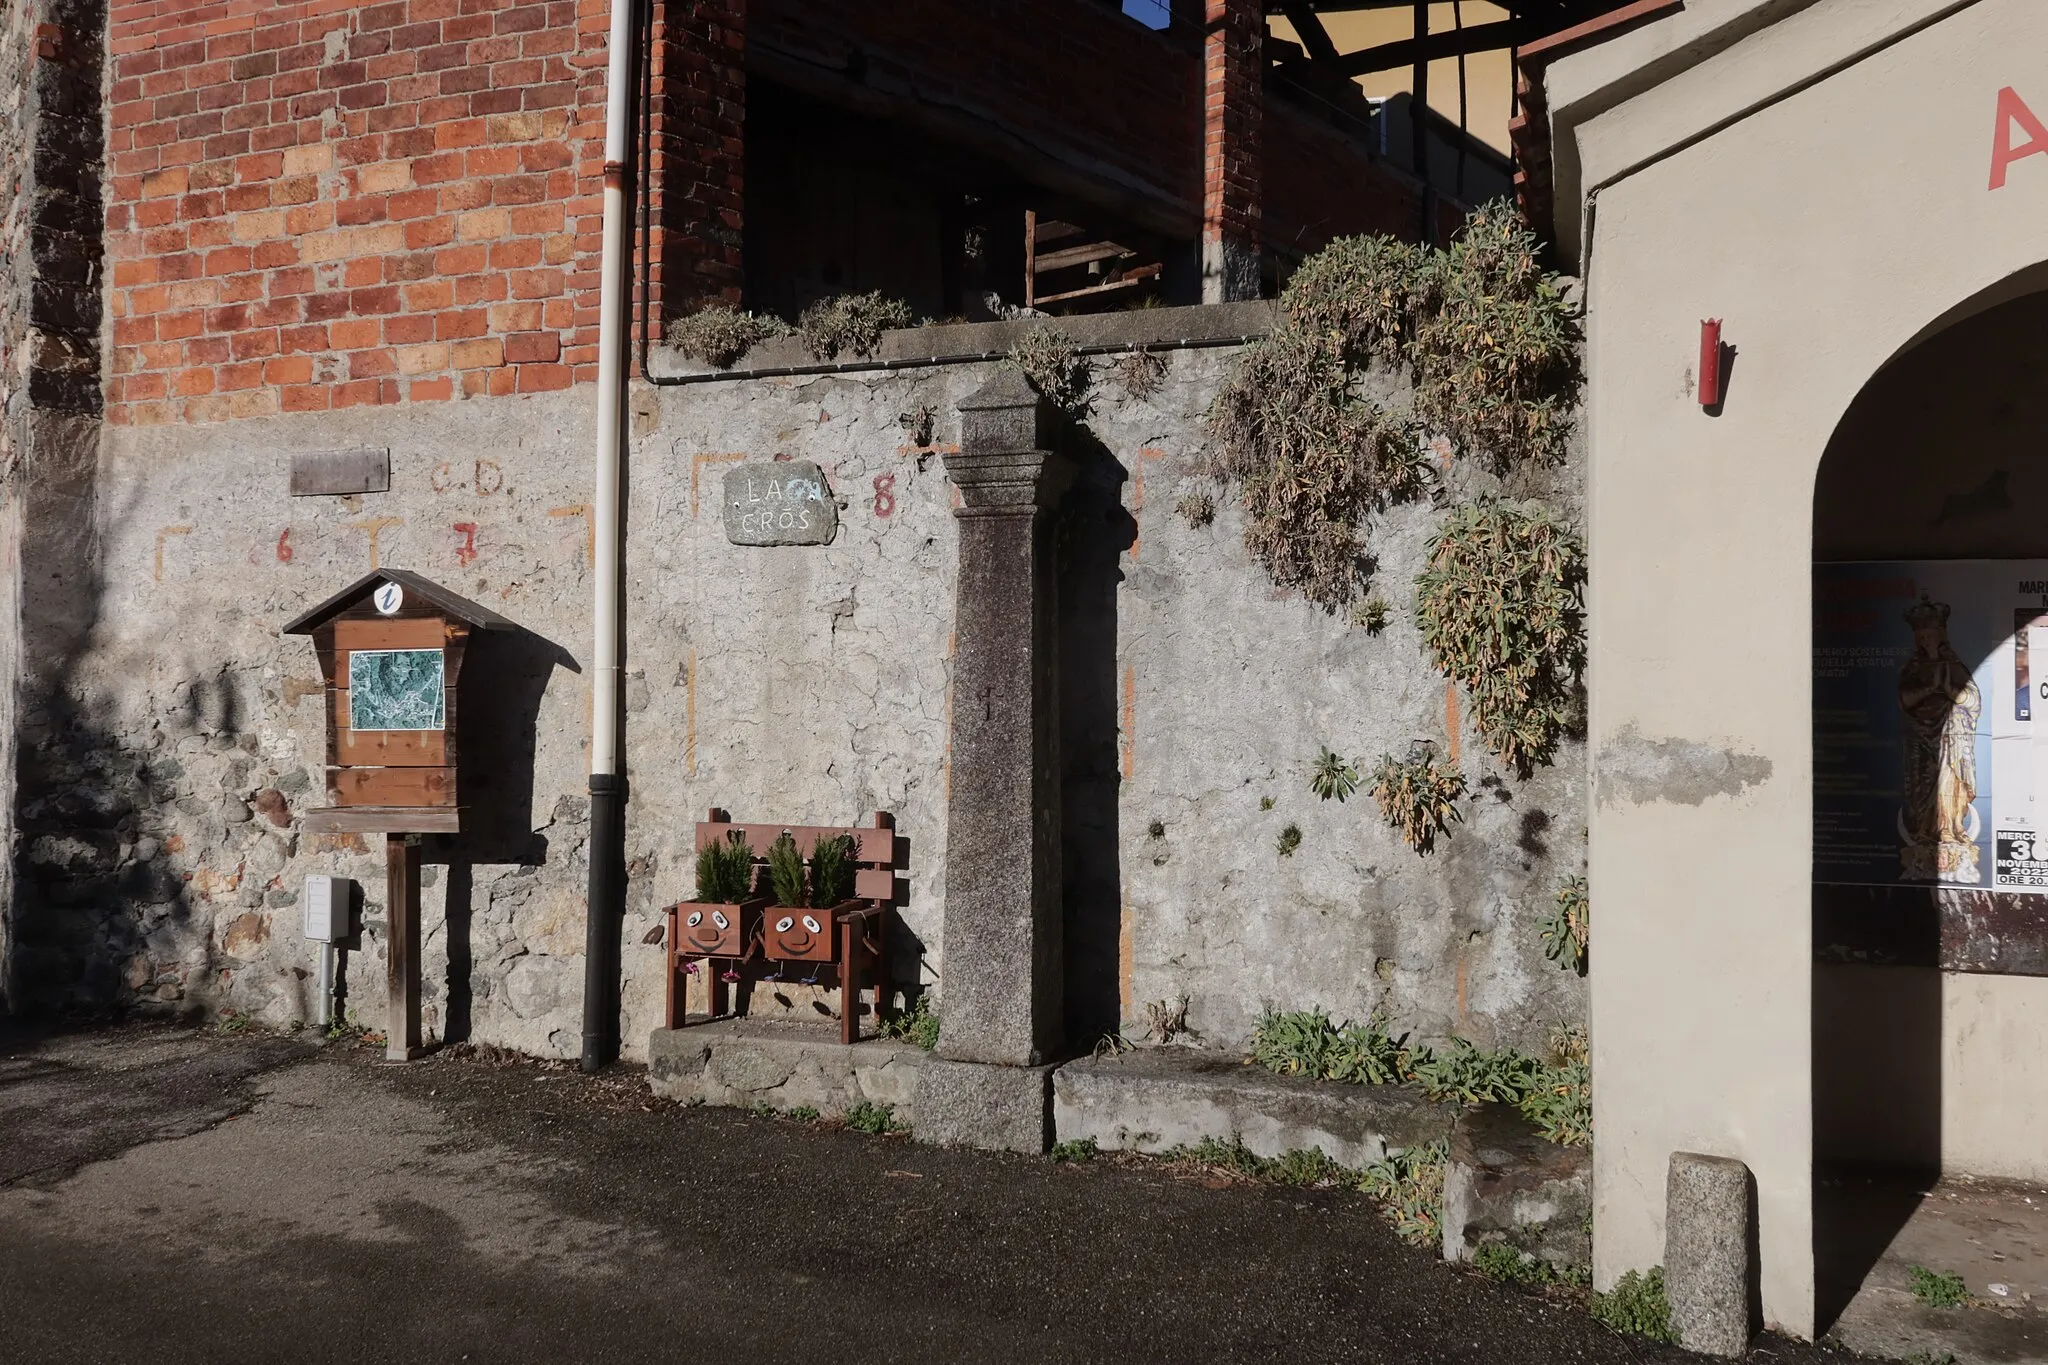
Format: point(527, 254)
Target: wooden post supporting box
point(390, 647)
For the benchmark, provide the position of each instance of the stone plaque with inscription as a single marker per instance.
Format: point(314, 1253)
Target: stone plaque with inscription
point(779, 502)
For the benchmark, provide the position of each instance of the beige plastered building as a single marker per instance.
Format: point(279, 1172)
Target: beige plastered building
point(1851, 186)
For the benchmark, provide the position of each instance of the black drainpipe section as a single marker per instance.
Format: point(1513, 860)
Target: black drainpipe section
point(605, 921)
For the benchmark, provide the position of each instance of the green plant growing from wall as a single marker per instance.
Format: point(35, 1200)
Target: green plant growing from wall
point(1494, 343)
point(1371, 614)
point(1052, 362)
point(1290, 840)
point(851, 324)
point(1196, 509)
point(1419, 797)
point(1141, 372)
point(725, 870)
point(1408, 1185)
point(1638, 1306)
point(1554, 1093)
point(721, 335)
point(1567, 930)
point(1332, 776)
point(1487, 340)
point(1499, 605)
point(832, 870)
point(786, 870)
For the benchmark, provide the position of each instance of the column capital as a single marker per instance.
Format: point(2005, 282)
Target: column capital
point(1009, 459)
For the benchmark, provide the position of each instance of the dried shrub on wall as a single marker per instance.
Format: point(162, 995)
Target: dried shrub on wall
point(721, 335)
point(851, 323)
point(1494, 344)
point(1499, 604)
point(1312, 458)
point(1052, 361)
point(1488, 341)
point(1419, 797)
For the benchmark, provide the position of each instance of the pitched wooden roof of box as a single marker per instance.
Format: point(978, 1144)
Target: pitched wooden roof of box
point(480, 618)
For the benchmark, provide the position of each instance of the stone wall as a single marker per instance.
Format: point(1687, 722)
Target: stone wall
point(50, 311)
point(786, 684)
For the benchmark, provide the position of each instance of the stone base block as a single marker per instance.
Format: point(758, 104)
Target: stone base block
point(994, 1108)
point(1504, 1182)
point(747, 1063)
point(1157, 1098)
point(1708, 1270)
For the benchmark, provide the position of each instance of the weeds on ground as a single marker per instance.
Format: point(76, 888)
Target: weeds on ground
point(1937, 1288)
point(869, 1117)
point(1930, 1358)
point(1510, 1265)
point(803, 1113)
point(919, 1024)
point(1077, 1149)
point(234, 1021)
point(1638, 1306)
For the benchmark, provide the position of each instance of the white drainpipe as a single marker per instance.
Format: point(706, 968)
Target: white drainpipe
point(607, 785)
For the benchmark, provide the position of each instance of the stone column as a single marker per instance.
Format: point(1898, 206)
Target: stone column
point(1002, 999)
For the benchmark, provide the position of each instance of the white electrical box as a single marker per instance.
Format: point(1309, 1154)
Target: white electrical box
point(327, 903)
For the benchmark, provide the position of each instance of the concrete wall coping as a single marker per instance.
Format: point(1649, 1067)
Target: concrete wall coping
point(1216, 324)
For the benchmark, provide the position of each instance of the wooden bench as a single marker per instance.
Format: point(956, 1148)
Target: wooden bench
point(857, 937)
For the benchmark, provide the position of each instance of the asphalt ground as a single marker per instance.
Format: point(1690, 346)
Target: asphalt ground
point(171, 1195)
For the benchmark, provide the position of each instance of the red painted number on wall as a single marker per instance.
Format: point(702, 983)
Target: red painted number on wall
point(885, 495)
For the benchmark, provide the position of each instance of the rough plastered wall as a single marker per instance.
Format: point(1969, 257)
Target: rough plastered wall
point(786, 684)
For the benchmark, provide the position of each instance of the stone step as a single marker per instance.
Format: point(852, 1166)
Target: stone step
point(1157, 1098)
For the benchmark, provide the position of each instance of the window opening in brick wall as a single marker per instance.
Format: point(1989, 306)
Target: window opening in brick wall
point(839, 203)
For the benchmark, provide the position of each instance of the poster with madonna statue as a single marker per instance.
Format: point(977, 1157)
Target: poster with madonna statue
point(1926, 750)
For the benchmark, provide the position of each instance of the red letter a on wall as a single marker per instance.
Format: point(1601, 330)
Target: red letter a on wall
point(2012, 109)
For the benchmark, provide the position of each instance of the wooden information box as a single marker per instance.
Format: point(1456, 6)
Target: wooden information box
point(391, 646)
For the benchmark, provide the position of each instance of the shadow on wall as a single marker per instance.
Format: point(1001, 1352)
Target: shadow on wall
point(102, 914)
point(1938, 459)
point(1093, 531)
point(506, 675)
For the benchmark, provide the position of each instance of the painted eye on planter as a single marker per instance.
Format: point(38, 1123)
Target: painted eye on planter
point(782, 925)
point(812, 925)
point(718, 918)
point(696, 918)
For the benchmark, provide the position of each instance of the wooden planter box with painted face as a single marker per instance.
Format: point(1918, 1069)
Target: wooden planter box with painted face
point(803, 934)
point(714, 929)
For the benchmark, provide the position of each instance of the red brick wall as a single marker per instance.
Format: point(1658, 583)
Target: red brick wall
point(1233, 73)
point(315, 204)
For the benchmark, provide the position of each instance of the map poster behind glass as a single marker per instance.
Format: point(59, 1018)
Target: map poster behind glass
point(396, 689)
point(1926, 700)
